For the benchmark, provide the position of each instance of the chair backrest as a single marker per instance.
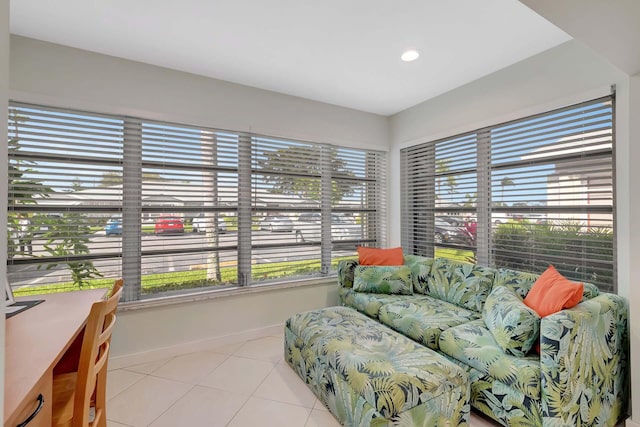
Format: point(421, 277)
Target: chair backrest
point(92, 369)
point(117, 286)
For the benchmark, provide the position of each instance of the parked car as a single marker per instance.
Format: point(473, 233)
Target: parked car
point(343, 227)
point(199, 224)
point(447, 233)
point(276, 223)
point(114, 226)
point(456, 221)
point(168, 224)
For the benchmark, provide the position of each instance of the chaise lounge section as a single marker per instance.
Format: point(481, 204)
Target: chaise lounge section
point(580, 376)
point(368, 375)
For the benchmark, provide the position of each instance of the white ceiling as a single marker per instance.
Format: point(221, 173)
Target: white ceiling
point(341, 52)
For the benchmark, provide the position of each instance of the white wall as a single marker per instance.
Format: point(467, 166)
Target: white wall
point(567, 74)
point(167, 326)
point(633, 240)
point(4, 88)
point(52, 74)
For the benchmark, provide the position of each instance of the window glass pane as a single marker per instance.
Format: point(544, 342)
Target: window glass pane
point(548, 197)
point(189, 208)
point(552, 193)
point(440, 200)
point(63, 192)
point(172, 207)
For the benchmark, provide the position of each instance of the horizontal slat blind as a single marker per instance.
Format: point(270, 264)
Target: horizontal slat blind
point(552, 186)
point(289, 202)
point(189, 206)
point(543, 186)
point(172, 207)
point(62, 190)
point(440, 197)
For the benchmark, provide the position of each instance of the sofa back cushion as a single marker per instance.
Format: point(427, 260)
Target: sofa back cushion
point(420, 270)
point(514, 326)
point(518, 281)
point(460, 283)
point(383, 279)
point(521, 282)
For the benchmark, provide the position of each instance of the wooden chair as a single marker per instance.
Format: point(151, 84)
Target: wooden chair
point(75, 394)
point(117, 286)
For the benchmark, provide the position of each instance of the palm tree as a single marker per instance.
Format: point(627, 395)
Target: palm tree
point(442, 167)
point(503, 183)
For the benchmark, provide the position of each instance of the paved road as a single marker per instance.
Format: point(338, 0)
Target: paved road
point(25, 275)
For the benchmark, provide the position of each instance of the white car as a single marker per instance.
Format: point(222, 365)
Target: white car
point(276, 223)
point(201, 224)
point(343, 227)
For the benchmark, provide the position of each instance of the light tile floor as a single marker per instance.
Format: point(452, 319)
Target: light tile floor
point(241, 385)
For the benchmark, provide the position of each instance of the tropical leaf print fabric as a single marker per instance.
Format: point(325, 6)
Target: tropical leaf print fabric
point(368, 303)
point(363, 371)
point(473, 344)
point(345, 272)
point(584, 360)
point(514, 326)
point(383, 280)
point(579, 378)
point(420, 271)
point(424, 319)
point(463, 284)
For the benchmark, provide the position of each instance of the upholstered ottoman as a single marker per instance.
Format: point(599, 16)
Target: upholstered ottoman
point(369, 375)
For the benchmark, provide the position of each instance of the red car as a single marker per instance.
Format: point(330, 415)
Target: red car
point(169, 224)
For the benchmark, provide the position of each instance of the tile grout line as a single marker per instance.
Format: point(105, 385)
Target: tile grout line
point(172, 405)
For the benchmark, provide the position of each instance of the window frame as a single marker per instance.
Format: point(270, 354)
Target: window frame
point(487, 206)
point(132, 208)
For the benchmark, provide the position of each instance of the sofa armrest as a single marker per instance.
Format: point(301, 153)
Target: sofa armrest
point(345, 272)
point(584, 363)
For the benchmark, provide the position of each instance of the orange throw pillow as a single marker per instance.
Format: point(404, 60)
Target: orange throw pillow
point(375, 256)
point(552, 292)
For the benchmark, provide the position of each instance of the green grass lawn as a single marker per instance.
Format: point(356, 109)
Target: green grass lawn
point(191, 279)
point(456, 254)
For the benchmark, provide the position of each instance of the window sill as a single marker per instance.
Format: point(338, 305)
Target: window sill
point(223, 293)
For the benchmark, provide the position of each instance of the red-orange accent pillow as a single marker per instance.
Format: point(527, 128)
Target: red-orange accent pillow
point(552, 292)
point(376, 256)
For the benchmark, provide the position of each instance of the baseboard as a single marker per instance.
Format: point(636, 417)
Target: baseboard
point(122, 361)
point(630, 423)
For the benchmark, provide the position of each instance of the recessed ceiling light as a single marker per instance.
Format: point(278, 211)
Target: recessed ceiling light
point(409, 55)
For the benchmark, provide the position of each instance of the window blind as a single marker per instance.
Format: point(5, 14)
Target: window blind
point(552, 187)
point(172, 207)
point(539, 189)
point(439, 198)
point(189, 203)
point(65, 170)
point(312, 204)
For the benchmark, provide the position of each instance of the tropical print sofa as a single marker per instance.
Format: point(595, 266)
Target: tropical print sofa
point(579, 377)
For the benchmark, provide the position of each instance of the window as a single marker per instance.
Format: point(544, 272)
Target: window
point(538, 191)
point(173, 207)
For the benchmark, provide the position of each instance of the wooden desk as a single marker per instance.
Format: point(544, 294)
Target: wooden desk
point(35, 341)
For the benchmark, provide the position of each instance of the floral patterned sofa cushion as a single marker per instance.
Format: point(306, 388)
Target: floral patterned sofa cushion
point(368, 303)
point(473, 344)
point(420, 270)
point(514, 326)
point(423, 319)
point(463, 284)
point(383, 279)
